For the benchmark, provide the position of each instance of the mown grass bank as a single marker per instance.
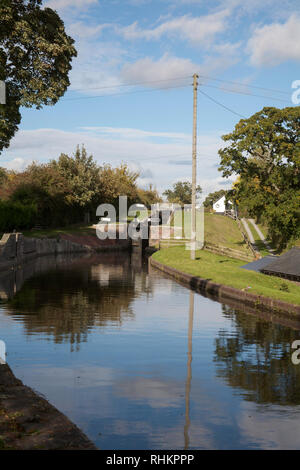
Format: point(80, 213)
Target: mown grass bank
point(228, 272)
point(218, 230)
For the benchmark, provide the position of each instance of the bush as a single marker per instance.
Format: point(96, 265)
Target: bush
point(15, 215)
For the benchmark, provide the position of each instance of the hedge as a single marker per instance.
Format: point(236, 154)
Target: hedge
point(16, 216)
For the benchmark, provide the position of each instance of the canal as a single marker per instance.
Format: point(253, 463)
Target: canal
point(138, 361)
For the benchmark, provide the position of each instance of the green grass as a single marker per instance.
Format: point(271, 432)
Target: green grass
point(224, 231)
point(218, 230)
point(77, 229)
point(227, 271)
point(290, 245)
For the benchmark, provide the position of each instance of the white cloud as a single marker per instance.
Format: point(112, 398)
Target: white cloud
point(81, 30)
point(64, 4)
point(170, 67)
point(17, 164)
point(275, 43)
point(154, 154)
point(127, 133)
point(96, 66)
point(164, 68)
point(199, 30)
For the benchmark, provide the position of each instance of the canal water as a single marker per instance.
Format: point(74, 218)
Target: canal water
point(138, 361)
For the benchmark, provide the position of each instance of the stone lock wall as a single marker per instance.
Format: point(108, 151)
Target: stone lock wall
point(15, 248)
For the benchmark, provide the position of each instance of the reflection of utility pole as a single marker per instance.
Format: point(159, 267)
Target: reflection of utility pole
point(189, 373)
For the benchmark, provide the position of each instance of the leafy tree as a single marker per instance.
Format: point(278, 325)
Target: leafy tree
point(45, 188)
point(181, 192)
point(3, 176)
point(213, 197)
point(35, 59)
point(82, 175)
point(66, 190)
point(149, 196)
point(115, 182)
point(265, 151)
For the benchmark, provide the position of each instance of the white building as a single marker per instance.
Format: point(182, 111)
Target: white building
point(220, 206)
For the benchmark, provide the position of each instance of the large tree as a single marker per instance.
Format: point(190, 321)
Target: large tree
point(181, 192)
point(35, 59)
point(82, 174)
point(265, 151)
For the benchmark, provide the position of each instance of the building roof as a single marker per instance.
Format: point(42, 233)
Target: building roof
point(287, 265)
point(259, 264)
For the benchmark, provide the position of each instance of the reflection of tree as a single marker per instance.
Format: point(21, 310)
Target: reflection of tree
point(256, 356)
point(66, 303)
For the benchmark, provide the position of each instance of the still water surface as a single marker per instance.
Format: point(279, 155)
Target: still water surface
point(139, 362)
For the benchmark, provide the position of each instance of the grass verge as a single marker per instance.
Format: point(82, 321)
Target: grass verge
point(224, 231)
point(227, 271)
point(218, 230)
point(55, 232)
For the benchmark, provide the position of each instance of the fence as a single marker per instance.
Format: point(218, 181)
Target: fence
point(230, 252)
point(255, 253)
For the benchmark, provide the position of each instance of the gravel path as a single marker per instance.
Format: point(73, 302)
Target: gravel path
point(248, 231)
point(261, 235)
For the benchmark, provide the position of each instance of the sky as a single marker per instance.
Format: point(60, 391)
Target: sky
point(131, 95)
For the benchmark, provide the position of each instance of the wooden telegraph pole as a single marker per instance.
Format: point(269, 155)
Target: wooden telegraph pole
point(194, 170)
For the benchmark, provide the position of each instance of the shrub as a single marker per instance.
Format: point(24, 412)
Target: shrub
point(15, 215)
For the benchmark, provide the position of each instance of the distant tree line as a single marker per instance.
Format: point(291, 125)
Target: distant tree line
point(64, 191)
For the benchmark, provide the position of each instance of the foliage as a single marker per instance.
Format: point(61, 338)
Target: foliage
point(35, 59)
point(149, 196)
point(181, 192)
point(82, 175)
point(64, 190)
point(213, 197)
point(15, 215)
point(115, 182)
point(43, 186)
point(265, 151)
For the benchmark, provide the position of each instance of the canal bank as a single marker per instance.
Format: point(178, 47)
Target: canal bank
point(29, 422)
point(225, 293)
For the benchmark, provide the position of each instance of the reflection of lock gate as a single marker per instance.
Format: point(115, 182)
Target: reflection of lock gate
point(2, 352)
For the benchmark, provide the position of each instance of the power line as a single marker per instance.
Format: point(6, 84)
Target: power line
point(199, 154)
point(125, 93)
point(223, 106)
point(147, 82)
point(132, 84)
point(244, 85)
point(170, 88)
point(244, 93)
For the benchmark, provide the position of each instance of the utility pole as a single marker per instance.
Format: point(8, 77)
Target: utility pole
point(194, 170)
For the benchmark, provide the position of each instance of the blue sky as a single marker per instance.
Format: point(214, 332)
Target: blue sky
point(159, 44)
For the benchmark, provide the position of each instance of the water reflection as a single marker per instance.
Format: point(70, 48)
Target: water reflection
point(257, 359)
point(67, 303)
point(140, 362)
point(189, 373)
